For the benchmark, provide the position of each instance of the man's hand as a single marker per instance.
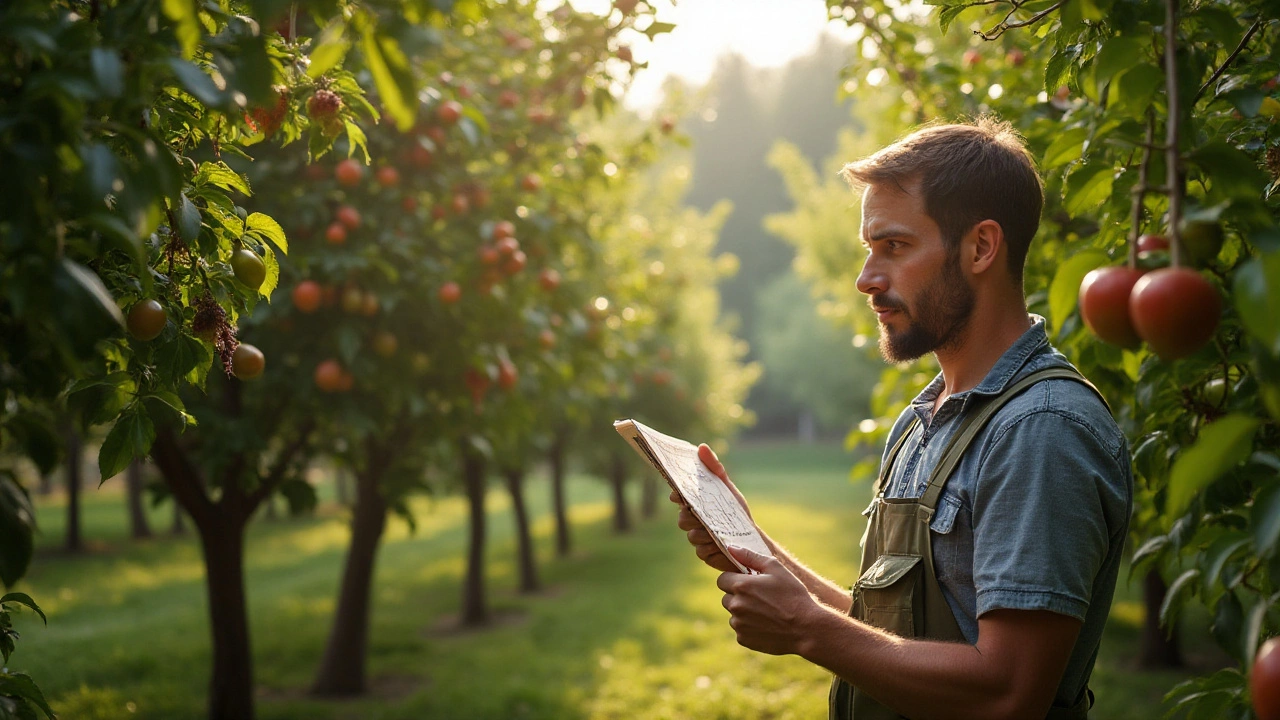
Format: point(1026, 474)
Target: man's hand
point(703, 545)
point(769, 611)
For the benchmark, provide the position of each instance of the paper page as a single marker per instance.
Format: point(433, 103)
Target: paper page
point(704, 493)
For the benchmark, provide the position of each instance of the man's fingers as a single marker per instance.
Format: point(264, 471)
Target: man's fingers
point(709, 458)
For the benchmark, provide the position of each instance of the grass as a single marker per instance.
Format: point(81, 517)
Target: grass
point(629, 627)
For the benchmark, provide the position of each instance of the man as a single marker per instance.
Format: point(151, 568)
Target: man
point(987, 577)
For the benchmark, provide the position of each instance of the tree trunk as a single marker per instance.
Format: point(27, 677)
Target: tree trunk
point(1159, 649)
point(74, 465)
point(475, 610)
point(138, 527)
point(556, 458)
point(524, 539)
point(269, 512)
point(231, 689)
point(618, 478)
point(46, 484)
point(342, 669)
point(649, 497)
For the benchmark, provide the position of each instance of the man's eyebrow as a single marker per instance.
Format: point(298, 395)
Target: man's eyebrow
point(893, 231)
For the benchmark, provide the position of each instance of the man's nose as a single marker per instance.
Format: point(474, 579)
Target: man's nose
point(871, 280)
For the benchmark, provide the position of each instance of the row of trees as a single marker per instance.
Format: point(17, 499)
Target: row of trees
point(391, 235)
point(1147, 119)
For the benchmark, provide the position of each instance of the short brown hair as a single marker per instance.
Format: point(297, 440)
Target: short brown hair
point(968, 173)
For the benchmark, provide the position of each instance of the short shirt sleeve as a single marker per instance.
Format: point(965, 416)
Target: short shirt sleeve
point(1044, 514)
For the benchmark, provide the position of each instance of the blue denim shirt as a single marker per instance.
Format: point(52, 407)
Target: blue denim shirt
point(1036, 514)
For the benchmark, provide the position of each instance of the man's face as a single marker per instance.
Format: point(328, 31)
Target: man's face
point(922, 299)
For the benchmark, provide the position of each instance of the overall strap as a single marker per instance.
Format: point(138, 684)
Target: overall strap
point(882, 482)
point(973, 424)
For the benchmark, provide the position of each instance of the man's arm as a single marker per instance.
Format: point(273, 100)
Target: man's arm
point(1013, 671)
point(825, 590)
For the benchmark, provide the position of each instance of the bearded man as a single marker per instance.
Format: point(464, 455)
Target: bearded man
point(999, 516)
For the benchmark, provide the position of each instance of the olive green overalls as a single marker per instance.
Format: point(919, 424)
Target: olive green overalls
point(898, 590)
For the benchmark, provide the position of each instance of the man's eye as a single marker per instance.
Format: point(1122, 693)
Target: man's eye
point(893, 244)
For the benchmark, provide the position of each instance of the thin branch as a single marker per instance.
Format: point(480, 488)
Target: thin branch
point(1004, 25)
point(1173, 176)
point(180, 474)
point(1140, 191)
point(1230, 59)
point(275, 475)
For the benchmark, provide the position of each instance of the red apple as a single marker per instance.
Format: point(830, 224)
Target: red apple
point(1264, 681)
point(1175, 310)
point(1104, 304)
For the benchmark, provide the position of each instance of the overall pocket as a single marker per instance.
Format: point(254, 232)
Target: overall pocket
point(886, 594)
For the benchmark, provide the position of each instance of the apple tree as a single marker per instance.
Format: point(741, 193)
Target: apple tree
point(1152, 119)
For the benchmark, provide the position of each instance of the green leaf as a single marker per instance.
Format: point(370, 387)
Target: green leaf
point(24, 599)
point(1247, 100)
point(657, 28)
point(1087, 188)
point(268, 229)
point(1066, 147)
point(1136, 88)
point(1147, 551)
point(1064, 291)
point(183, 14)
point(108, 71)
point(272, 280)
point(17, 527)
point(330, 47)
point(1257, 299)
point(1168, 608)
point(1060, 68)
point(122, 237)
point(197, 82)
point(131, 437)
point(85, 311)
point(218, 174)
point(178, 357)
point(20, 685)
point(1117, 55)
point(948, 15)
point(386, 63)
point(1264, 518)
point(188, 217)
point(1217, 554)
point(1221, 446)
point(1229, 170)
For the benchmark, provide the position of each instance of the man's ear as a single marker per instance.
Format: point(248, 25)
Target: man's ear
point(983, 247)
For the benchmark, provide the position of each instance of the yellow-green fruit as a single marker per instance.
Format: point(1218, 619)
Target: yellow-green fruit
point(1270, 107)
point(249, 268)
point(247, 362)
point(1202, 239)
point(1215, 391)
point(146, 320)
point(385, 344)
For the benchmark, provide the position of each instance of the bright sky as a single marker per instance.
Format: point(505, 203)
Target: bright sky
point(769, 33)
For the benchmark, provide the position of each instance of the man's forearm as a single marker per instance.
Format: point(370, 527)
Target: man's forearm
point(825, 590)
point(917, 678)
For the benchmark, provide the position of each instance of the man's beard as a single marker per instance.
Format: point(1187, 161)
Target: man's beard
point(940, 315)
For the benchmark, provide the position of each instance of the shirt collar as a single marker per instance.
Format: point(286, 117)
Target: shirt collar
point(1031, 342)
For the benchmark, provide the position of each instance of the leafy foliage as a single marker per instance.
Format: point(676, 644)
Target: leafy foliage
point(1085, 83)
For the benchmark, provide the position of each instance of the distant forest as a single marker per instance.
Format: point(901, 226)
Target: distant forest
point(737, 118)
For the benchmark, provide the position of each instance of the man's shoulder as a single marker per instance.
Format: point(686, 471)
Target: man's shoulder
point(1059, 400)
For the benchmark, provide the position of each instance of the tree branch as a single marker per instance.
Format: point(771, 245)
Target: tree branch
point(1225, 63)
point(275, 475)
point(181, 475)
point(1004, 25)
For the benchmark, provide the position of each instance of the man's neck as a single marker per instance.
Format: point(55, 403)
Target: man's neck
point(986, 338)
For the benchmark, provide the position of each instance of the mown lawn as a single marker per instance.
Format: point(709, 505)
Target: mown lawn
point(630, 626)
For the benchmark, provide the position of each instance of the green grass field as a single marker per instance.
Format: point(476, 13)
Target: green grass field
point(630, 626)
